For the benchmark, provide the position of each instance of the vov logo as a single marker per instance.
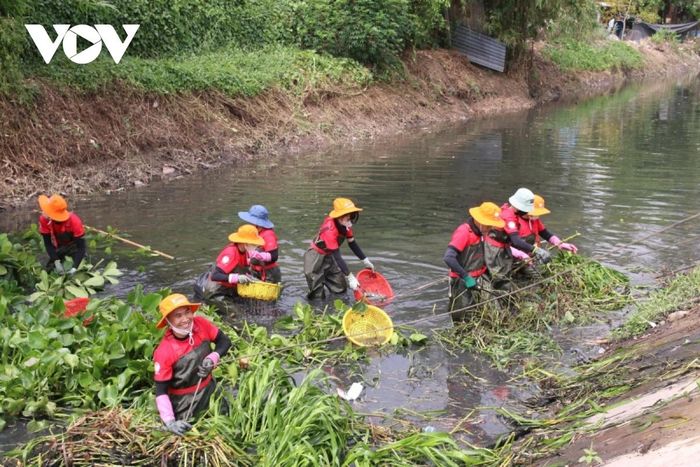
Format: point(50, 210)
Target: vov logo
point(101, 33)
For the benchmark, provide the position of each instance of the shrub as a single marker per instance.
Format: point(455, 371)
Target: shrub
point(572, 54)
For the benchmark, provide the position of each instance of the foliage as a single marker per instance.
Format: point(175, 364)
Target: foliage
point(517, 21)
point(665, 36)
point(12, 42)
point(571, 54)
point(234, 72)
point(677, 294)
point(372, 32)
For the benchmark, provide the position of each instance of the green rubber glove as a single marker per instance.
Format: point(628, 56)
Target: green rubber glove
point(469, 282)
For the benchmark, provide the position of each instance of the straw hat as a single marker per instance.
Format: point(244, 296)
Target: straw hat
point(523, 200)
point(488, 214)
point(257, 215)
point(342, 206)
point(171, 303)
point(539, 209)
point(54, 208)
point(247, 234)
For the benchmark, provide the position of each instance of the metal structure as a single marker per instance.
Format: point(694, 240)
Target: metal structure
point(479, 48)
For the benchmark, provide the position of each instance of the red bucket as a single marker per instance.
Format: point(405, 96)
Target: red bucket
point(374, 288)
point(77, 306)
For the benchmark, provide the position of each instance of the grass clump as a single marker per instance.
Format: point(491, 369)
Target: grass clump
point(234, 72)
point(681, 291)
point(579, 55)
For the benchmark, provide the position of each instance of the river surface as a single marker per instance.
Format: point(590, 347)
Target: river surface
point(614, 170)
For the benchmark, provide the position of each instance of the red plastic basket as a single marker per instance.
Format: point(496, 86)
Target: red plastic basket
point(374, 288)
point(77, 306)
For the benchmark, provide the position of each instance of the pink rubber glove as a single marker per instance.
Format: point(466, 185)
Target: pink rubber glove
point(520, 255)
point(214, 357)
point(239, 279)
point(556, 241)
point(263, 256)
point(165, 408)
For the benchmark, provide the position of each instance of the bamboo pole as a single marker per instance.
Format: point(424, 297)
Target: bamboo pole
point(128, 242)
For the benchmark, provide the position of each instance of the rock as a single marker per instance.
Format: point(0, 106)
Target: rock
point(168, 170)
point(675, 316)
point(138, 183)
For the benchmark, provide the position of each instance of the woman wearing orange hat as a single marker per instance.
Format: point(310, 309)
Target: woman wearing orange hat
point(232, 265)
point(62, 231)
point(465, 257)
point(323, 263)
point(184, 360)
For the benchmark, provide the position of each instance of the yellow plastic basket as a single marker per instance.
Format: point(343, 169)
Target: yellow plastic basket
point(266, 291)
point(367, 328)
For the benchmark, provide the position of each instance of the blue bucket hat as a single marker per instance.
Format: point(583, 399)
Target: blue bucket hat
point(257, 215)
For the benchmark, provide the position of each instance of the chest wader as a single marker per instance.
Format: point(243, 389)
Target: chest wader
point(460, 297)
point(527, 271)
point(63, 251)
point(499, 262)
point(184, 382)
point(321, 270)
point(266, 273)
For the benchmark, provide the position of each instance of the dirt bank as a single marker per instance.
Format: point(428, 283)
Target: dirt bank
point(657, 421)
point(118, 138)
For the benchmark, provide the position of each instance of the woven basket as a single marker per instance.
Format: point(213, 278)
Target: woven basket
point(367, 328)
point(266, 291)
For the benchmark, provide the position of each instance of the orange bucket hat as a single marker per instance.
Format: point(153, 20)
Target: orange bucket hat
point(247, 234)
point(488, 214)
point(171, 303)
point(55, 208)
point(342, 206)
point(539, 209)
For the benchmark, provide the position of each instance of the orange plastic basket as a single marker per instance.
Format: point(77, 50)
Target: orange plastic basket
point(368, 328)
point(77, 306)
point(374, 288)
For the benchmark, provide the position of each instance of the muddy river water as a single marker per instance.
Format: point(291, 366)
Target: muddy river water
point(613, 169)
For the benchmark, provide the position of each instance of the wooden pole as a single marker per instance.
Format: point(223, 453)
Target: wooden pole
point(128, 242)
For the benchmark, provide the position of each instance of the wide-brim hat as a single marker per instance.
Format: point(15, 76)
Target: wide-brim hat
point(342, 206)
point(247, 234)
point(488, 213)
point(171, 303)
point(54, 208)
point(257, 215)
point(539, 209)
point(523, 200)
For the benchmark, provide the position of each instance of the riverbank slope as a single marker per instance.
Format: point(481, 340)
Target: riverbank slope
point(116, 136)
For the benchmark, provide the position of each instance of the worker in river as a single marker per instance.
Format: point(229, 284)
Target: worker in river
point(264, 259)
point(518, 206)
point(63, 233)
point(323, 263)
point(530, 231)
point(233, 266)
point(184, 361)
point(465, 258)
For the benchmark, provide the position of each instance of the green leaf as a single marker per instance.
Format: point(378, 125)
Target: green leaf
point(109, 395)
point(418, 338)
point(95, 281)
point(394, 339)
point(72, 360)
point(36, 340)
point(76, 291)
point(37, 425)
point(3, 270)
